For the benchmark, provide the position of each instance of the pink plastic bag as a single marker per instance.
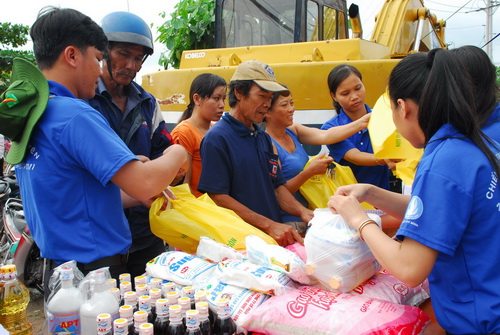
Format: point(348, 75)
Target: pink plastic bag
point(310, 310)
point(299, 250)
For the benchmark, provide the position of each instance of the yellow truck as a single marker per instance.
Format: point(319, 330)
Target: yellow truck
point(302, 40)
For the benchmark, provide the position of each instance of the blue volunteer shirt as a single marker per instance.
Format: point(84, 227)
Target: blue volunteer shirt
point(455, 209)
point(376, 175)
point(73, 210)
point(240, 162)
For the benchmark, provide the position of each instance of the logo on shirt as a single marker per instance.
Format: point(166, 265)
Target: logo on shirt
point(274, 168)
point(415, 208)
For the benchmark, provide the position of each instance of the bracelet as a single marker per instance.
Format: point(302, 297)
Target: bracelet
point(363, 225)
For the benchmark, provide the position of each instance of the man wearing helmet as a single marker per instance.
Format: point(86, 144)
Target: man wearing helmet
point(134, 115)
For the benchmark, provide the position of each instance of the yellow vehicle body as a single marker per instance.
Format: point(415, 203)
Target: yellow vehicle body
point(304, 66)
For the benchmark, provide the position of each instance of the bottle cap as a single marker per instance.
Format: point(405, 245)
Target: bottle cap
point(188, 291)
point(185, 303)
point(202, 307)
point(192, 319)
point(145, 303)
point(124, 277)
point(120, 326)
point(146, 329)
point(103, 322)
point(9, 272)
point(175, 313)
point(161, 306)
point(173, 298)
point(141, 289)
point(334, 283)
point(200, 296)
point(155, 283)
point(126, 311)
point(125, 286)
point(168, 287)
point(155, 294)
point(310, 269)
point(140, 317)
point(222, 307)
point(130, 298)
point(139, 280)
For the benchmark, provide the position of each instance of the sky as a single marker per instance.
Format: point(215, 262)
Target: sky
point(465, 26)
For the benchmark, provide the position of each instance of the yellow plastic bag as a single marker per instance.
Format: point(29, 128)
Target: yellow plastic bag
point(318, 189)
point(387, 142)
point(187, 218)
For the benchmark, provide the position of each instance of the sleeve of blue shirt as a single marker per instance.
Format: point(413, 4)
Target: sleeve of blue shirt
point(337, 150)
point(93, 145)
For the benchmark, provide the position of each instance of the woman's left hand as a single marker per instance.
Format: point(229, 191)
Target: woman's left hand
point(350, 209)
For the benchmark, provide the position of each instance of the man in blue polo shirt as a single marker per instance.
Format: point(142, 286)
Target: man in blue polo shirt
point(241, 169)
point(71, 164)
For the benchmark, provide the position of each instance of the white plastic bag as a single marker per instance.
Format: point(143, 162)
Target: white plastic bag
point(336, 256)
point(277, 258)
point(216, 252)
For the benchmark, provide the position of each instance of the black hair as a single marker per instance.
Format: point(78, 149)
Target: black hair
point(437, 82)
point(482, 73)
point(57, 28)
point(276, 95)
point(337, 76)
point(204, 85)
point(243, 87)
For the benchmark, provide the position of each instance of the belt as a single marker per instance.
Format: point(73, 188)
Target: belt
point(103, 262)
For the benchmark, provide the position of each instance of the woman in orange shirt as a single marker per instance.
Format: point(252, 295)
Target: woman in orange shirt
point(207, 95)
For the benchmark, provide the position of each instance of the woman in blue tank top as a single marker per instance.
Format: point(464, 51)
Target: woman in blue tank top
point(288, 138)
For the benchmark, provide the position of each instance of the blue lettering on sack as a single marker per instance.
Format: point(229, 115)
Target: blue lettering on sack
point(176, 266)
point(215, 292)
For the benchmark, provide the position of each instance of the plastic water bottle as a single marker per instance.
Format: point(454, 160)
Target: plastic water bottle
point(120, 326)
point(101, 301)
point(205, 323)
point(224, 325)
point(175, 327)
point(145, 305)
point(140, 317)
point(104, 324)
point(192, 323)
point(162, 318)
point(63, 309)
point(13, 303)
point(127, 313)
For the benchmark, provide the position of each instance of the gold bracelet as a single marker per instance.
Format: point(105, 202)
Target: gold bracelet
point(363, 225)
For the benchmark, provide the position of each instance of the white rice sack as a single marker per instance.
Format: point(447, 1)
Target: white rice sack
point(180, 267)
point(336, 256)
point(277, 258)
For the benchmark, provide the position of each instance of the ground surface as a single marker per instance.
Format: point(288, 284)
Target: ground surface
point(35, 312)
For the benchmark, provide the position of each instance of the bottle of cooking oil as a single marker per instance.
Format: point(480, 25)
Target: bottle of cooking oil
point(14, 303)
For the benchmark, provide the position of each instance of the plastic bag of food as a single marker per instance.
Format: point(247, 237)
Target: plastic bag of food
point(336, 256)
point(310, 310)
point(254, 277)
point(384, 286)
point(277, 258)
point(216, 252)
point(179, 267)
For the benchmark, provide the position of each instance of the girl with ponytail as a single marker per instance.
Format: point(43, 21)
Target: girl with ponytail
point(450, 228)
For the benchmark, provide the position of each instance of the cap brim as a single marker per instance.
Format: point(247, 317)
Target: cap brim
point(272, 86)
point(24, 70)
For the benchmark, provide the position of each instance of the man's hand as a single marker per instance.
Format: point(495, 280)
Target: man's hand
point(284, 234)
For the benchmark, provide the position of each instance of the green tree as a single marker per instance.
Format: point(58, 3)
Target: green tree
point(11, 36)
point(192, 26)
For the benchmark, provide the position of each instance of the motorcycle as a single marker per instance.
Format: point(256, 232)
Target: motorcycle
point(16, 243)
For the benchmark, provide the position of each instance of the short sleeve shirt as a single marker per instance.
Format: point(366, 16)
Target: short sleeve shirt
point(240, 162)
